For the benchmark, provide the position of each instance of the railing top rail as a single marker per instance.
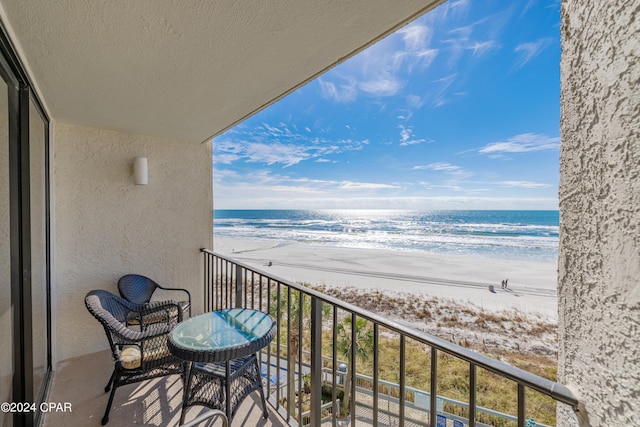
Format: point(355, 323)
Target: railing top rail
point(556, 390)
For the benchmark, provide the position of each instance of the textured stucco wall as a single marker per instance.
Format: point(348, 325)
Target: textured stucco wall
point(599, 258)
point(105, 226)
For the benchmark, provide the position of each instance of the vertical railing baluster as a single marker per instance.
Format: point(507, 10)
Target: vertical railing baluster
point(521, 405)
point(433, 412)
point(403, 355)
point(260, 290)
point(300, 344)
point(219, 285)
point(472, 395)
point(290, 386)
point(218, 273)
point(278, 349)
point(316, 361)
point(375, 374)
point(334, 356)
point(238, 289)
point(269, 346)
point(226, 285)
point(231, 285)
point(223, 284)
point(204, 280)
point(217, 277)
point(253, 291)
point(210, 279)
point(352, 371)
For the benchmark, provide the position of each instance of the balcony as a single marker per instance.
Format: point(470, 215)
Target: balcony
point(310, 381)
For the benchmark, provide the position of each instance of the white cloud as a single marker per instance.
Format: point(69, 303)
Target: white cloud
point(523, 184)
point(383, 84)
point(523, 143)
point(273, 153)
point(381, 70)
point(444, 83)
point(343, 93)
point(271, 145)
point(349, 185)
point(527, 51)
point(482, 48)
point(407, 137)
point(446, 168)
point(416, 37)
point(227, 159)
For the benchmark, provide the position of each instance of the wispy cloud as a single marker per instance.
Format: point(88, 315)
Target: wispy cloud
point(407, 137)
point(350, 185)
point(341, 93)
point(525, 52)
point(480, 49)
point(383, 84)
point(416, 37)
point(270, 145)
point(381, 70)
point(230, 184)
point(528, 6)
point(439, 98)
point(447, 168)
point(450, 9)
point(523, 143)
point(274, 153)
point(523, 184)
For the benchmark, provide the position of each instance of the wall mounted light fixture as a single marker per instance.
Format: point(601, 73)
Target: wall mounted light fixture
point(140, 171)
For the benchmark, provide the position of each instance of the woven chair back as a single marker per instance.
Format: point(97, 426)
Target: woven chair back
point(136, 288)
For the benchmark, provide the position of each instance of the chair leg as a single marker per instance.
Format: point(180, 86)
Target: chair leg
point(105, 419)
point(110, 383)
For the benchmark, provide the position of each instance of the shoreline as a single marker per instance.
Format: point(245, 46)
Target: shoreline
point(532, 285)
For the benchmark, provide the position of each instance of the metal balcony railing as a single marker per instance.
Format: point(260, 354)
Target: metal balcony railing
point(305, 378)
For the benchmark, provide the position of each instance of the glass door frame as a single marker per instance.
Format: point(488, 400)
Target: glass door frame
point(20, 96)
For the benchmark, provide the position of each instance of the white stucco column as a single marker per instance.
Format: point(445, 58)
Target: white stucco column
point(599, 256)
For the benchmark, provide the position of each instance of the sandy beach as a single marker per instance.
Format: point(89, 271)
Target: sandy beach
point(531, 285)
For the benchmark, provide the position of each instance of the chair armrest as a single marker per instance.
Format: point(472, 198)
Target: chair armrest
point(180, 290)
point(164, 312)
point(177, 289)
point(129, 336)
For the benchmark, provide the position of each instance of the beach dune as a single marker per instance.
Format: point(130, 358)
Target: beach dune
point(466, 279)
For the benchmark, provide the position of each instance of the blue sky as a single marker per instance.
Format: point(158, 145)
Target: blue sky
point(459, 109)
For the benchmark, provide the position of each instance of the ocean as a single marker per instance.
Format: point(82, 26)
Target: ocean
point(519, 235)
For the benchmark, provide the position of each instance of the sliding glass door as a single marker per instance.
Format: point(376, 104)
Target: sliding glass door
point(38, 184)
point(25, 294)
point(6, 317)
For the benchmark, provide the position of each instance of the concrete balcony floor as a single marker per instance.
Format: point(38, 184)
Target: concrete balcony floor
point(81, 381)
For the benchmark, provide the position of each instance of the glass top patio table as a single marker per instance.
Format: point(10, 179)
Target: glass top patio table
point(222, 335)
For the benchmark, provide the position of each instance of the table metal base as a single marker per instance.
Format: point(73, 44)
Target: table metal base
point(210, 384)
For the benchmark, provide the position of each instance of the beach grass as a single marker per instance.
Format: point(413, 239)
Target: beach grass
point(479, 329)
point(493, 391)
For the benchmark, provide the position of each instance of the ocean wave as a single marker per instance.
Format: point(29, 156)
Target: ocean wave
point(503, 234)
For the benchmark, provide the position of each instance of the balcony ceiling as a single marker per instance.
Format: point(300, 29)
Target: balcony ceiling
point(187, 69)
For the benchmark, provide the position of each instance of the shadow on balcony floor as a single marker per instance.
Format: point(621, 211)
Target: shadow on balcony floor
point(80, 381)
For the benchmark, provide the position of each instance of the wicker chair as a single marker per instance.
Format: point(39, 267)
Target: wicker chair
point(139, 289)
point(138, 355)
